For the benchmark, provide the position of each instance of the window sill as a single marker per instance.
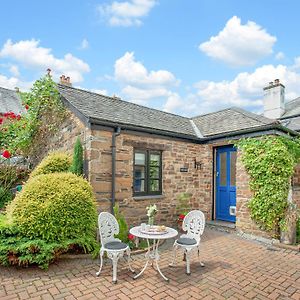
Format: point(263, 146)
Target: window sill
point(148, 197)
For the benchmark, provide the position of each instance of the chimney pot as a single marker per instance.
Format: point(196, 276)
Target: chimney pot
point(65, 80)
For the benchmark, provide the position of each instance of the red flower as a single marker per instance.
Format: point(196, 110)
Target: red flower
point(6, 154)
point(1, 121)
point(181, 217)
point(26, 106)
point(18, 117)
point(131, 236)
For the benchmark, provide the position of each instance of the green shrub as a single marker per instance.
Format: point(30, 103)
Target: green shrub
point(5, 196)
point(77, 164)
point(55, 207)
point(54, 162)
point(123, 233)
point(16, 249)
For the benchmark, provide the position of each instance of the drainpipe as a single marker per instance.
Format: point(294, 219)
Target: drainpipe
point(113, 167)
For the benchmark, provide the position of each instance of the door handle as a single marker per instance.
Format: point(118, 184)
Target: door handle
point(217, 174)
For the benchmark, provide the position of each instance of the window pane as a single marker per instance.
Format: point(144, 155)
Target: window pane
point(154, 172)
point(223, 168)
point(154, 185)
point(139, 158)
point(139, 172)
point(139, 185)
point(232, 168)
point(154, 159)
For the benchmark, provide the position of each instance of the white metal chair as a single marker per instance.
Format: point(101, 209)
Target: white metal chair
point(115, 248)
point(193, 224)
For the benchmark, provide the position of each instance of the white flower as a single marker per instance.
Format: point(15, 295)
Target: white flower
point(151, 210)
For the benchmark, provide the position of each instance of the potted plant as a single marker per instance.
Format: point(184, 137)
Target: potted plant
point(182, 208)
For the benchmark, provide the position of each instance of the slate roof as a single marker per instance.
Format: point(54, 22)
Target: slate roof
point(292, 108)
point(10, 101)
point(229, 120)
point(120, 112)
point(109, 109)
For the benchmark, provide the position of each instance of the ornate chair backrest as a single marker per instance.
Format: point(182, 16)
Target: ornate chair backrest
point(108, 227)
point(194, 223)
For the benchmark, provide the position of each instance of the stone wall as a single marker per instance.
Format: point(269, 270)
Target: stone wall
point(64, 138)
point(175, 154)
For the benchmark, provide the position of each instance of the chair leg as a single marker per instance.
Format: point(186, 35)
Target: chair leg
point(201, 263)
point(101, 262)
point(128, 260)
point(115, 258)
point(188, 269)
point(173, 263)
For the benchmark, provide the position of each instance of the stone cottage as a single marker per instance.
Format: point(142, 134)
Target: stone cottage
point(136, 156)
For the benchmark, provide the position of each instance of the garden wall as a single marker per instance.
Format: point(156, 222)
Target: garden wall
point(175, 155)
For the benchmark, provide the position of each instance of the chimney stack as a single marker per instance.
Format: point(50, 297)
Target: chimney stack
point(65, 80)
point(274, 100)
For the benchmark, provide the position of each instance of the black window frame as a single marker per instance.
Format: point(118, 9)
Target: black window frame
point(147, 166)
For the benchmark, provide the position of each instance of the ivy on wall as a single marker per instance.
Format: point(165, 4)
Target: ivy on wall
point(270, 162)
point(21, 134)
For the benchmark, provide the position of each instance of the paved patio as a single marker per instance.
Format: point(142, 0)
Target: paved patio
point(235, 269)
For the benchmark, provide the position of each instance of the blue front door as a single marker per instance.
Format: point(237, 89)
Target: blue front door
point(225, 183)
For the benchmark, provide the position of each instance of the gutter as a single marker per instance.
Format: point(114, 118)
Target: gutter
point(116, 132)
point(194, 138)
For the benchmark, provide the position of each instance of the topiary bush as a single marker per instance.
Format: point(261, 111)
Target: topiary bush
point(55, 207)
point(54, 162)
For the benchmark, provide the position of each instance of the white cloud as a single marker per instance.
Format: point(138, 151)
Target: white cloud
point(126, 13)
point(14, 70)
point(238, 44)
point(102, 92)
point(12, 82)
point(245, 91)
point(279, 56)
point(31, 55)
point(84, 44)
point(133, 72)
point(141, 85)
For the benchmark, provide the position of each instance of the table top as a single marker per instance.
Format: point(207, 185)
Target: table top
point(136, 231)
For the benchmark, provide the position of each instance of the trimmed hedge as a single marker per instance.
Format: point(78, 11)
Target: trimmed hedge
point(54, 162)
point(55, 207)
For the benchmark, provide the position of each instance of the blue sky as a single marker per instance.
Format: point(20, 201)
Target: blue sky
point(186, 57)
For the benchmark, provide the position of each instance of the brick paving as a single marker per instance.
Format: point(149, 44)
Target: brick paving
point(234, 269)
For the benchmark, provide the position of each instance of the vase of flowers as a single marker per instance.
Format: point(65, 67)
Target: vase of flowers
point(151, 212)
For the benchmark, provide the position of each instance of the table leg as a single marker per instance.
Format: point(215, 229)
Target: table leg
point(156, 257)
point(148, 256)
point(153, 256)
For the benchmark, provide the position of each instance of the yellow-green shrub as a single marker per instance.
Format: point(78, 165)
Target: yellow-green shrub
point(55, 207)
point(54, 162)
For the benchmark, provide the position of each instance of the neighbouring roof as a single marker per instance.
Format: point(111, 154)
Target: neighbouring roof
point(10, 101)
point(229, 120)
point(114, 110)
point(292, 108)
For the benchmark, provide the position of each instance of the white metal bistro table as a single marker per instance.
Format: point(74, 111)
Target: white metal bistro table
point(152, 254)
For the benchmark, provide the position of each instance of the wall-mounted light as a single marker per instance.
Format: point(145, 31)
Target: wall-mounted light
point(197, 164)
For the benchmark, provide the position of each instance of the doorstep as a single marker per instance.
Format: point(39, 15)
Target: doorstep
point(221, 225)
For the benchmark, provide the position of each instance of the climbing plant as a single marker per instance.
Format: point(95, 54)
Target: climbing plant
point(44, 111)
point(270, 162)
